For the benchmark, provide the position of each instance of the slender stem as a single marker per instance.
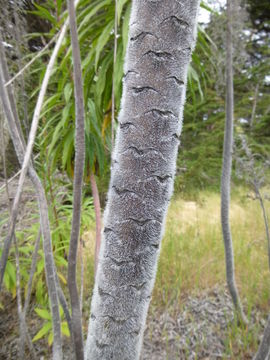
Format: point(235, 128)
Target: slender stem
point(113, 79)
point(4, 159)
point(37, 56)
point(18, 38)
point(82, 275)
point(57, 37)
point(15, 132)
point(98, 217)
point(51, 275)
point(77, 186)
point(226, 172)
point(23, 327)
point(265, 218)
point(53, 202)
point(35, 121)
point(254, 107)
point(34, 125)
point(14, 176)
point(9, 111)
point(263, 352)
point(32, 273)
point(9, 90)
point(63, 302)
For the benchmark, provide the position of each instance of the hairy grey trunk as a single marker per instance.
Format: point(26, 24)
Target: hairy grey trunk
point(162, 36)
point(226, 171)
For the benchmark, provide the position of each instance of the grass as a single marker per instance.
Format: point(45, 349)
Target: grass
point(192, 255)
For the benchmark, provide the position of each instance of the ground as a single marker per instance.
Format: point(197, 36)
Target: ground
point(197, 330)
point(191, 315)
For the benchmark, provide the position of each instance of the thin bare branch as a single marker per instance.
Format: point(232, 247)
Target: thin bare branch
point(113, 79)
point(256, 179)
point(63, 302)
point(263, 352)
point(19, 299)
point(9, 89)
point(265, 218)
point(98, 217)
point(18, 42)
point(35, 120)
point(9, 113)
point(82, 275)
point(21, 313)
point(32, 273)
point(226, 173)
point(24, 333)
point(19, 146)
point(253, 115)
point(14, 176)
point(4, 157)
point(37, 56)
point(77, 186)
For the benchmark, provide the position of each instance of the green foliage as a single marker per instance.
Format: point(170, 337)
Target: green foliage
point(10, 278)
point(200, 154)
point(96, 36)
point(60, 218)
point(47, 330)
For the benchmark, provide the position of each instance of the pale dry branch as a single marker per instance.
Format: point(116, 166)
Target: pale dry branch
point(38, 55)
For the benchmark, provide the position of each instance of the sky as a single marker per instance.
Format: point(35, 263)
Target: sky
point(204, 15)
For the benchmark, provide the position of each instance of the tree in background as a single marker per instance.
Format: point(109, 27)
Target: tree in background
point(200, 154)
point(226, 170)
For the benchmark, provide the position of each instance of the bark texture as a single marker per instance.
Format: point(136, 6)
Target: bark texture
point(161, 38)
point(226, 172)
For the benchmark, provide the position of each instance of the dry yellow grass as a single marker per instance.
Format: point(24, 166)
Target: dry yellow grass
point(192, 255)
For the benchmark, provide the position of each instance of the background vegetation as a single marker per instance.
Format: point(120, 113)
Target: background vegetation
point(192, 254)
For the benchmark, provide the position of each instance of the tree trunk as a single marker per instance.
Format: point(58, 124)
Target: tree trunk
point(161, 39)
point(226, 171)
